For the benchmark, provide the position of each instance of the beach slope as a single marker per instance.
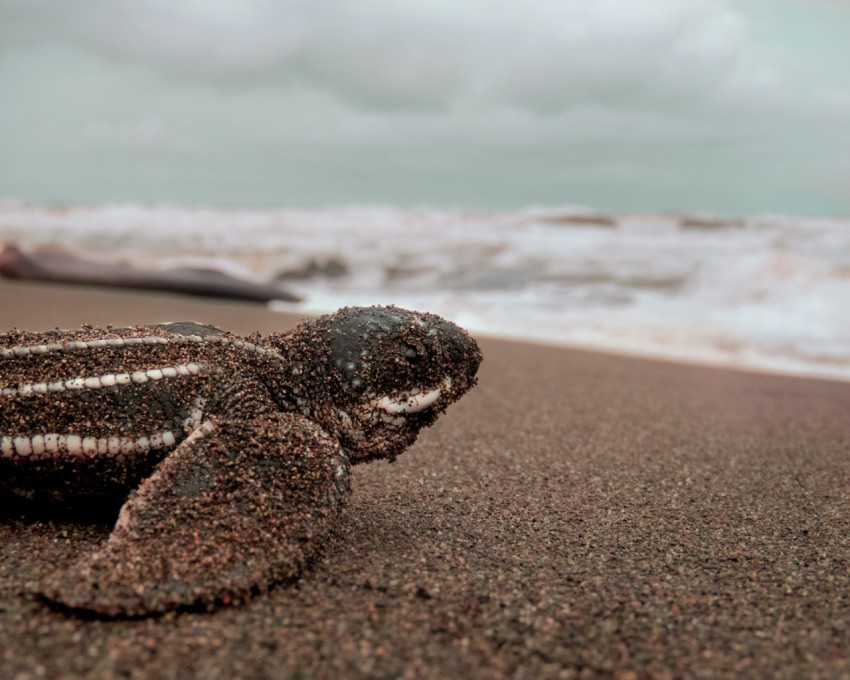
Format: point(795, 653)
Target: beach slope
point(576, 515)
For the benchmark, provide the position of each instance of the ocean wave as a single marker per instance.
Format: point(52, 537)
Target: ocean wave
point(758, 292)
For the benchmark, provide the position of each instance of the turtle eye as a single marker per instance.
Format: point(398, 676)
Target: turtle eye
point(410, 353)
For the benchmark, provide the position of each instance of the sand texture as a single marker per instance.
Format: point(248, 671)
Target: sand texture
point(576, 515)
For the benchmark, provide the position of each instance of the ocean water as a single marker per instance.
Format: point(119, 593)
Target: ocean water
point(763, 292)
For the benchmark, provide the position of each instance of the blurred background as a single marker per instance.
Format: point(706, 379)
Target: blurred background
point(669, 177)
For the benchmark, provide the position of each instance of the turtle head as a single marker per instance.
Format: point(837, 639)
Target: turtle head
point(385, 373)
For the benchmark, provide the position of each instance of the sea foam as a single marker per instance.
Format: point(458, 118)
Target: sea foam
point(762, 292)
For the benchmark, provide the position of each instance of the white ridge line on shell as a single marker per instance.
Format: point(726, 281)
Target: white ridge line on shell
point(48, 444)
point(31, 350)
point(241, 344)
point(412, 403)
point(95, 382)
point(51, 443)
point(27, 350)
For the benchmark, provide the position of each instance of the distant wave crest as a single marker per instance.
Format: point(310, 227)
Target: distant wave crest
point(765, 292)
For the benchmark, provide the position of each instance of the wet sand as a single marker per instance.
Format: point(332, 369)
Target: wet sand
point(577, 515)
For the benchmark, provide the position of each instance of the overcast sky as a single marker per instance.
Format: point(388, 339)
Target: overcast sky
point(709, 105)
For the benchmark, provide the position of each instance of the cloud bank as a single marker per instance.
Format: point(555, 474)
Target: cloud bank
point(674, 104)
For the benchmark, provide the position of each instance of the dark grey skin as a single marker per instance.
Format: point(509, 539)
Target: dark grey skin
point(235, 452)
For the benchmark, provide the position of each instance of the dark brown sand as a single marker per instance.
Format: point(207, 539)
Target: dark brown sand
point(576, 515)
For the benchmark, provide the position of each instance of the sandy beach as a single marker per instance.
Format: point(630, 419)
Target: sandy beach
point(576, 515)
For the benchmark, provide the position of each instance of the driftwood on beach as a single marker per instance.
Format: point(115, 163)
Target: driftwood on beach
point(56, 266)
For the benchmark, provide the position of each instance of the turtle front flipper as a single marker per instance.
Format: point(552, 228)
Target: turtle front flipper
point(237, 507)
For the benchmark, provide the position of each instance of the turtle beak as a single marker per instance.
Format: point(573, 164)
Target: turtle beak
point(414, 402)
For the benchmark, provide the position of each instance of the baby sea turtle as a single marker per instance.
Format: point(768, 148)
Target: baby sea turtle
point(235, 452)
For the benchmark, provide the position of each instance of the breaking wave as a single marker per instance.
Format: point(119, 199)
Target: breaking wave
point(763, 292)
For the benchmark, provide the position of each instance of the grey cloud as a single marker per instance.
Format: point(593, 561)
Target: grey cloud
point(385, 55)
point(519, 100)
